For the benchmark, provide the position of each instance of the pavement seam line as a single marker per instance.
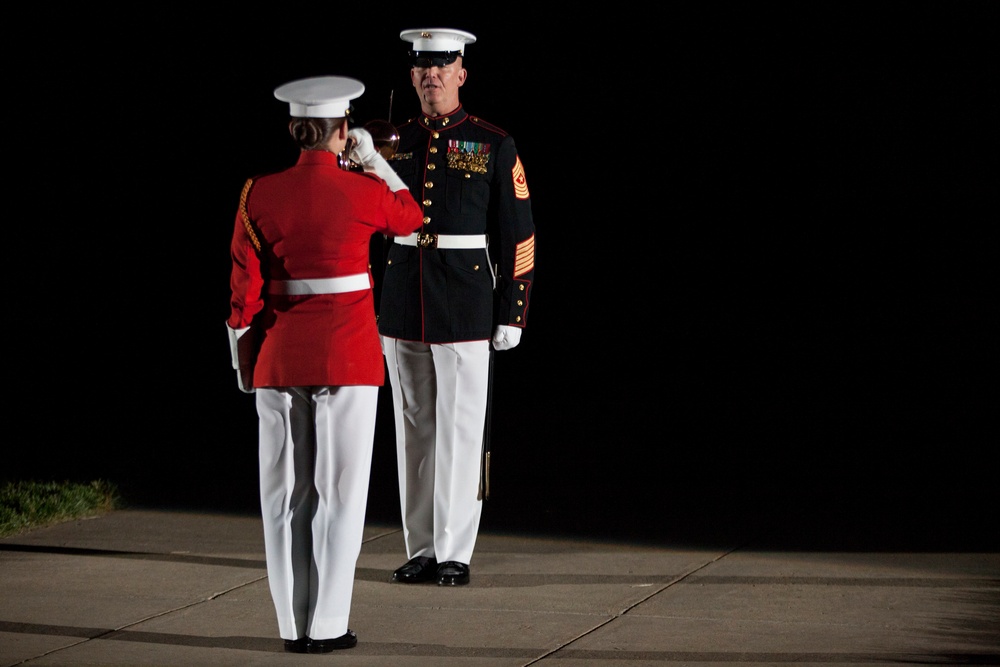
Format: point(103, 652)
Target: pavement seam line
point(679, 578)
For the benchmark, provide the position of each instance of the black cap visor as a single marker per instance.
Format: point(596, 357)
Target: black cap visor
point(433, 58)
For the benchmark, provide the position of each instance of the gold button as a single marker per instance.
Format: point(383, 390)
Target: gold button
point(433, 149)
point(389, 262)
point(431, 167)
point(517, 319)
point(429, 184)
point(436, 135)
point(427, 202)
point(520, 303)
point(520, 287)
point(475, 268)
point(427, 220)
point(468, 175)
point(445, 121)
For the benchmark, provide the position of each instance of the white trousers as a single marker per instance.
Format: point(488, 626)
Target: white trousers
point(439, 395)
point(315, 465)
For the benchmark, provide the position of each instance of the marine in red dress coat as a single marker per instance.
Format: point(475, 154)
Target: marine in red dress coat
point(313, 221)
point(302, 304)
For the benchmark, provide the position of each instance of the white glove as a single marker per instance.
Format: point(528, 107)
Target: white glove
point(244, 370)
point(506, 337)
point(363, 147)
point(364, 153)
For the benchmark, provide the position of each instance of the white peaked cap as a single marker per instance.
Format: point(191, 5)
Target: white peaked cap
point(438, 39)
point(320, 96)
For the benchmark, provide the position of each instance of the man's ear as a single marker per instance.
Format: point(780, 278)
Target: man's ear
point(462, 74)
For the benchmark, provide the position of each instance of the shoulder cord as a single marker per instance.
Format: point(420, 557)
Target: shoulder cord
point(246, 218)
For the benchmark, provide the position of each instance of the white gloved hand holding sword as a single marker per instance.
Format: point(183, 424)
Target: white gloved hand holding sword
point(363, 152)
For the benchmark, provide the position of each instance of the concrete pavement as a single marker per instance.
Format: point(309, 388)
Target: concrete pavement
point(141, 587)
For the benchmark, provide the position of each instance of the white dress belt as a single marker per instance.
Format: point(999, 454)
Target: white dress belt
point(351, 283)
point(444, 241)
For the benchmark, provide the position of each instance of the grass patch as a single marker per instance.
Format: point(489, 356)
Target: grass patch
point(30, 504)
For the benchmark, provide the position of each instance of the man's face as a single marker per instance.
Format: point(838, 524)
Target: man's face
point(437, 86)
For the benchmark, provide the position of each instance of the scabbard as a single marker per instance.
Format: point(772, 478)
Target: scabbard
point(484, 467)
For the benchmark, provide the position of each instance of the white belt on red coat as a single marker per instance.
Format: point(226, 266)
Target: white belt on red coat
point(444, 241)
point(351, 283)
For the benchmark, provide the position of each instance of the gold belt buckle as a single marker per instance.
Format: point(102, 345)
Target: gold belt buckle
point(425, 240)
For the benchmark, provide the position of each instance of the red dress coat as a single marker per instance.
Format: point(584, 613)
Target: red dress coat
point(312, 221)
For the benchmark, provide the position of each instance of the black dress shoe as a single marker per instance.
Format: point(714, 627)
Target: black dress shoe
point(452, 573)
point(346, 640)
point(296, 645)
point(416, 570)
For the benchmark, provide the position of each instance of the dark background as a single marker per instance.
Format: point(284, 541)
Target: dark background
point(766, 277)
